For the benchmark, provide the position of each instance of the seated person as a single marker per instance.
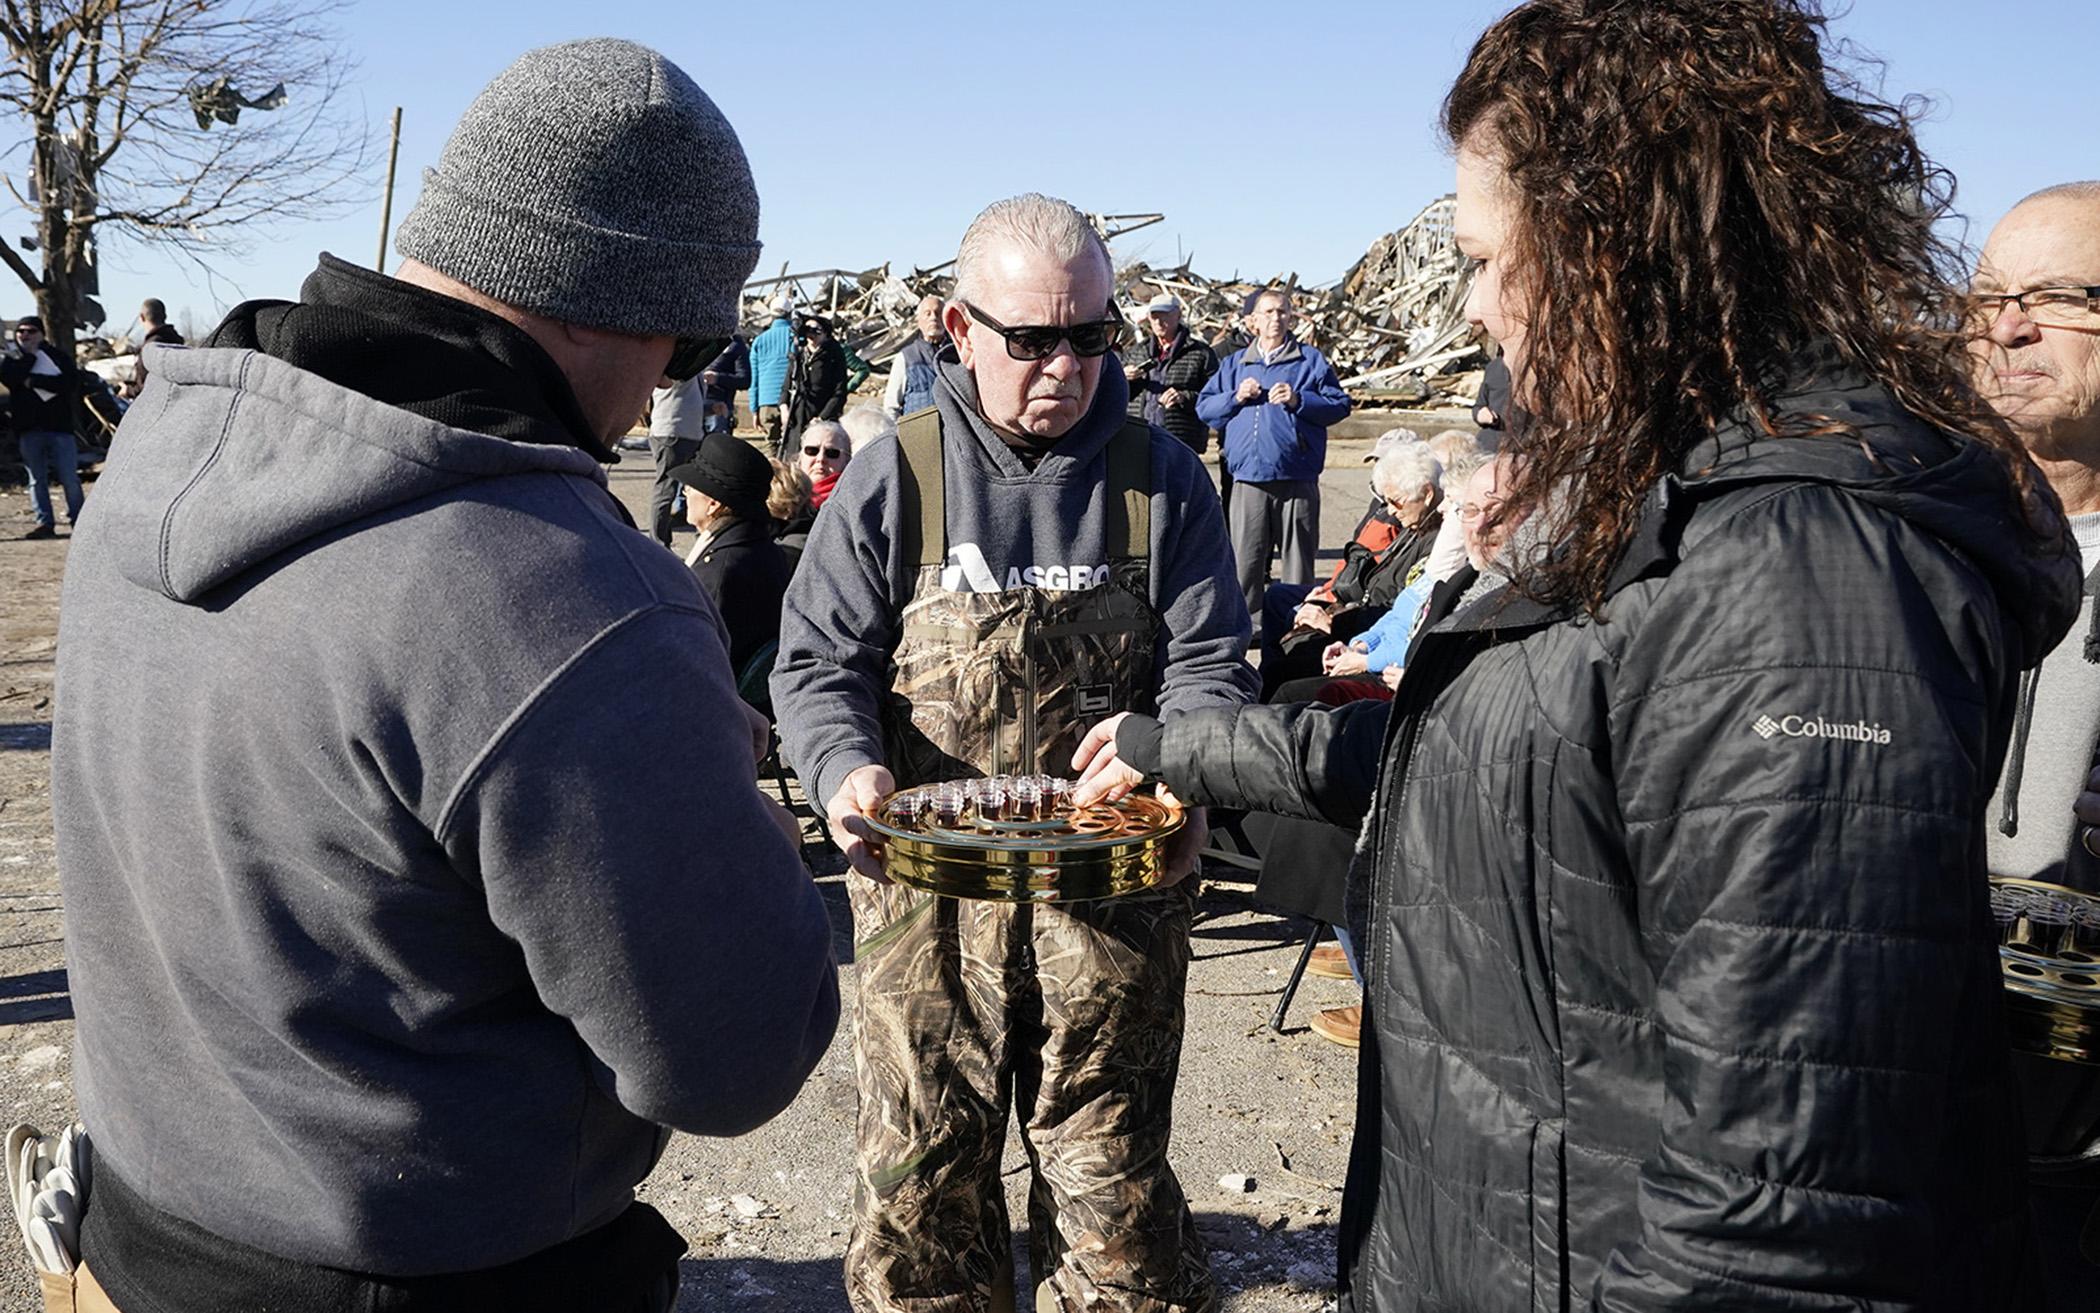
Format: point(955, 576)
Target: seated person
point(1409, 479)
point(826, 449)
point(1380, 652)
point(1375, 532)
point(788, 505)
point(1303, 862)
point(735, 559)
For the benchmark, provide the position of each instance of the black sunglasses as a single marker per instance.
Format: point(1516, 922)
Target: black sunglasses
point(693, 354)
point(832, 453)
point(1038, 341)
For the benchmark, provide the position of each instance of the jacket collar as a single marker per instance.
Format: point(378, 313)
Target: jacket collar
point(738, 533)
point(419, 351)
point(1292, 350)
point(956, 396)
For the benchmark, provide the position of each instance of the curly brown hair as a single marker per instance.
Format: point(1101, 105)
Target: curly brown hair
point(1697, 195)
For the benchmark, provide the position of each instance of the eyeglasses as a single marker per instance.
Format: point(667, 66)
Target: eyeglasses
point(2043, 305)
point(828, 453)
point(1038, 341)
point(693, 354)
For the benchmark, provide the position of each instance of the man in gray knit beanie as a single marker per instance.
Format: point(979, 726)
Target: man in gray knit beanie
point(409, 818)
point(594, 187)
point(593, 183)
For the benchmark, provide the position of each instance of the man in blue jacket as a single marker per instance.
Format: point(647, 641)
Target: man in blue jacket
point(1273, 402)
point(772, 351)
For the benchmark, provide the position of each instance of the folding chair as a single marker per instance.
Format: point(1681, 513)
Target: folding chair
point(1290, 987)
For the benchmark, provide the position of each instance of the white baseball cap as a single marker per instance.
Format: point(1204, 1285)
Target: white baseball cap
point(1164, 302)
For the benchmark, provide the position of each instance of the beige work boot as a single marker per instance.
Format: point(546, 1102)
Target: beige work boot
point(1344, 1026)
point(1330, 963)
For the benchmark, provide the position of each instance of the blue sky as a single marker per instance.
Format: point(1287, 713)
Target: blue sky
point(1277, 137)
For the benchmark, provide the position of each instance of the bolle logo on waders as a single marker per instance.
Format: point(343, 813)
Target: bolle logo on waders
point(1815, 727)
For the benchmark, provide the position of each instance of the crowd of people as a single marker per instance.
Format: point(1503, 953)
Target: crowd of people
point(389, 983)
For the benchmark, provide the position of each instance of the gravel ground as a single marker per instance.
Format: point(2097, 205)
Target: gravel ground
point(1250, 1102)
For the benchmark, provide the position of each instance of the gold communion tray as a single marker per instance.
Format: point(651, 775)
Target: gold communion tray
point(2049, 952)
point(1018, 839)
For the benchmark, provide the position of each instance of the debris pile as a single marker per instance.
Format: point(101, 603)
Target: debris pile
point(1394, 325)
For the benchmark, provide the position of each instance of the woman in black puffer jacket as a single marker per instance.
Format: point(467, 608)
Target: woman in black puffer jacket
point(1681, 989)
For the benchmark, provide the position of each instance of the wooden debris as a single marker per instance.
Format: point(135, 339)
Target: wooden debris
point(1393, 326)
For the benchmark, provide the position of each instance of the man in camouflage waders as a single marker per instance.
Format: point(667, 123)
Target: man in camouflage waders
point(1020, 563)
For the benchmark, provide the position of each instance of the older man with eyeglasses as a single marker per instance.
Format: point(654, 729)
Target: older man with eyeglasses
point(2035, 306)
point(1022, 561)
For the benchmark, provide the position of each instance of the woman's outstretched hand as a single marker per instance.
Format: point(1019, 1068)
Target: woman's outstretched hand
point(1103, 776)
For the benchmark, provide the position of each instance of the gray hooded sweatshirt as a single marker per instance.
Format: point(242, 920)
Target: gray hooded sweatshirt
point(1008, 525)
point(415, 875)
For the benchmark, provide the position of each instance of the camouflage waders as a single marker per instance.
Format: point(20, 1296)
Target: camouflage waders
point(965, 1010)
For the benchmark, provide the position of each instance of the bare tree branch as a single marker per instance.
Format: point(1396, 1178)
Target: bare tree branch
point(104, 89)
point(21, 268)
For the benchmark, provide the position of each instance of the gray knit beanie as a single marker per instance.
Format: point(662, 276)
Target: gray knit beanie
point(593, 183)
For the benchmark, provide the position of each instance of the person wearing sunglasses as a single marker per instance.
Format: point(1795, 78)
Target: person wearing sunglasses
point(407, 810)
point(1274, 403)
point(826, 448)
point(818, 382)
point(1021, 558)
point(41, 386)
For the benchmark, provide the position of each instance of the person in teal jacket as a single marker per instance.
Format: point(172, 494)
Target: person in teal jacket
point(772, 351)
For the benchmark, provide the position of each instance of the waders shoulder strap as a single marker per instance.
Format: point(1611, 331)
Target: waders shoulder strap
point(1128, 529)
point(924, 523)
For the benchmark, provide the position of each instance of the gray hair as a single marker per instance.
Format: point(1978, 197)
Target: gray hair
point(1463, 466)
point(865, 424)
point(1389, 440)
point(1032, 222)
point(1455, 444)
point(1404, 469)
point(832, 429)
point(2088, 192)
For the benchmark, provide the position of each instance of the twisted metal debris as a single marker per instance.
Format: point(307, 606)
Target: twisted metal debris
point(1394, 325)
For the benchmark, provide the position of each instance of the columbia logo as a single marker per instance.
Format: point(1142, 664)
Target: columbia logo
point(1815, 727)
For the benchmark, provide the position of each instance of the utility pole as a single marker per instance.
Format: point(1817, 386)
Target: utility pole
point(386, 204)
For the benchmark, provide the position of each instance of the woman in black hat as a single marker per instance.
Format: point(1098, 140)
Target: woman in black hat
point(735, 559)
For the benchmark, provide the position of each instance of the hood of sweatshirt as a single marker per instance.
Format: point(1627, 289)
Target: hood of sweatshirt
point(1954, 488)
point(960, 410)
point(233, 458)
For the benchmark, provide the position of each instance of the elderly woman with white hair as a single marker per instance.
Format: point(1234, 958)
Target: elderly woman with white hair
point(1390, 543)
point(826, 447)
